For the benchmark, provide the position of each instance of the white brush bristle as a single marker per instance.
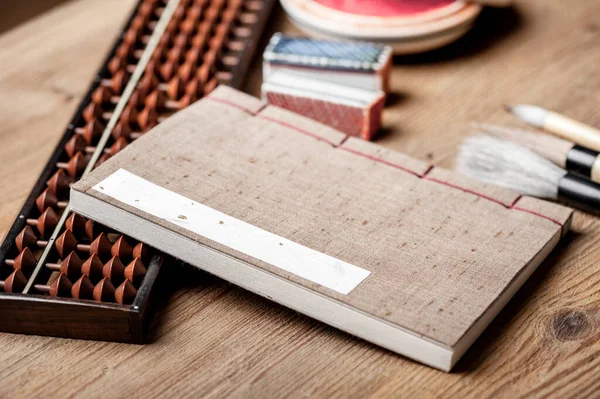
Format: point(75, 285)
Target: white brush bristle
point(529, 114)
point(552, 148)
point(509, 165)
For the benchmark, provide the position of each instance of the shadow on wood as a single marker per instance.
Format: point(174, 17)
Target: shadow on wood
point(489, 342)
point(15, 13)
point(492, 26)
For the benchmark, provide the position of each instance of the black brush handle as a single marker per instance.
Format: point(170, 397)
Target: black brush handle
point(580, 192)
point(581, 160)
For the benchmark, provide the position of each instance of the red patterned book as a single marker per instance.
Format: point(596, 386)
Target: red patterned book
point(341, 84)
point(353, 111)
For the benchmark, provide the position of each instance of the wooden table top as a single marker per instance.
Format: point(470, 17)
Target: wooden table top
point(213, 339)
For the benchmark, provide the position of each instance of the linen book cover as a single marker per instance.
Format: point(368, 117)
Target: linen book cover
point(411, 257)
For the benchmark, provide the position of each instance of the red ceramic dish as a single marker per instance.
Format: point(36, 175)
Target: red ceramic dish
point(386, 8)
point(409, 26)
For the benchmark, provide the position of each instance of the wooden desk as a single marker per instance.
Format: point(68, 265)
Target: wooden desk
point(213, 339)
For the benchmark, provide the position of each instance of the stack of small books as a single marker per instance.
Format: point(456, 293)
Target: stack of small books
point(340, 84)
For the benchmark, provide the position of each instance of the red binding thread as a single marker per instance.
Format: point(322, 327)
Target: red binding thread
point(376, 159)
point(511, 206)
point(362, 154)
point(466, 190)
point(306, 132)
point(344, 140)
point(231, 103)
point(562, 227)
point(262, 108)
point(429, 169)
point(515, 201)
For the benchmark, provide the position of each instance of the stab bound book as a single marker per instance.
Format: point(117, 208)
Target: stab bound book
point(411, 257)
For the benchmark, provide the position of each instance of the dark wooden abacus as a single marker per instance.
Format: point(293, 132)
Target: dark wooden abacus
point(64, 275)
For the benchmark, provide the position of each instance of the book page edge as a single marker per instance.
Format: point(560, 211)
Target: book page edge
point(268, 285)
point(465, 342)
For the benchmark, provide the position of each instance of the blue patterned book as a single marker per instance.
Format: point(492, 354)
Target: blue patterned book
point(356, 64)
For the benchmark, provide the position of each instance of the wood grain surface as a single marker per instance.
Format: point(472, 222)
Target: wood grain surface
point(213, 339)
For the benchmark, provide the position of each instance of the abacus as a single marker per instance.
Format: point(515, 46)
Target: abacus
point(64, 275)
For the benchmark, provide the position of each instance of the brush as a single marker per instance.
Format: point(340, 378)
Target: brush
point(510, 165)
point(566, 154)
point(558, 124)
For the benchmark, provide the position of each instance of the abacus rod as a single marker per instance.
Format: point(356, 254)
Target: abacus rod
point(131, 85)
point(133, 81)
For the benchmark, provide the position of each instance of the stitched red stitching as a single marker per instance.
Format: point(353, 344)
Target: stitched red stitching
point(297, 129)
point(429, 169)
point(517, 208)
point(515, 201)
point(227, 102)
point(344, 140)
point(380, 160)
point(338, 146)
point(423, 176)
point(466, 190)
point(262, 108)
point(511, 206)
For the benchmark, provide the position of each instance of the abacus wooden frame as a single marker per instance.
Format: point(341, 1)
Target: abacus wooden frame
point(86, 319)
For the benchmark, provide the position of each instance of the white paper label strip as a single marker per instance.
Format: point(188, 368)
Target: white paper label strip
point(255, 242)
